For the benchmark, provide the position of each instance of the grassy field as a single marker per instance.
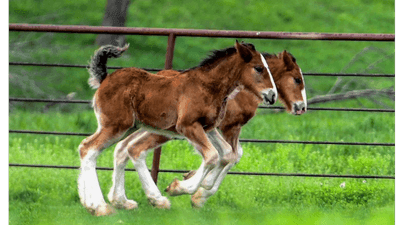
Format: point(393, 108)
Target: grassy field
point(49, 196)
point(36, 194)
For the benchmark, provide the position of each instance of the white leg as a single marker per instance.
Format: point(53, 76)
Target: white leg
point(190, 185)
point(224, 150)
point(150, 188)
point(117, 196)
point(196, 135)
point(89, 188)
point(138, 143)
point(202, 194)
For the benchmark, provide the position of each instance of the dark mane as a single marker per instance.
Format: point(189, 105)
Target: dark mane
point(213, 57)
point(208, 63)
point(216, 55)
point(269, 56)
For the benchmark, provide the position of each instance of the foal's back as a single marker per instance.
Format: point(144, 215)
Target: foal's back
point(131, 93)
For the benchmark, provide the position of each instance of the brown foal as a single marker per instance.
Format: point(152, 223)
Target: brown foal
point(188, 104)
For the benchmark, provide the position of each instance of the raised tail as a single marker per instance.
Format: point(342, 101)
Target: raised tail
point(98, 64)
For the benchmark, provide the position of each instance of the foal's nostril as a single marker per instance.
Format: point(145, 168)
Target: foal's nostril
point(270, 98)
point(296, 107)
point(299, 108)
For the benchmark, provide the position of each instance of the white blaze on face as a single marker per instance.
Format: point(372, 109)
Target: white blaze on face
point(270, 75)
point(303, 92)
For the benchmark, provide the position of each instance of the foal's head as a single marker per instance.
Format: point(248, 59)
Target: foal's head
point(289, 81)
point(256, 76)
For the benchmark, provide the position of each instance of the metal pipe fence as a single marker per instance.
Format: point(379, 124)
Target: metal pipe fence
point(156, 70)
point(201, 33)
point(241, 140)
point(172, 34)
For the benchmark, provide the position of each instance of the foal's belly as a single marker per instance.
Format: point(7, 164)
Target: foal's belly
point(171, 132)
point(210, 122)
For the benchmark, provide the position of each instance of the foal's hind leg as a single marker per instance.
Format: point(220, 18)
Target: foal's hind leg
point(117, 196)
point(136, 147)
point(88, 185)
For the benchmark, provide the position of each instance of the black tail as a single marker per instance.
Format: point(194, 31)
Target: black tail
point(98, 64)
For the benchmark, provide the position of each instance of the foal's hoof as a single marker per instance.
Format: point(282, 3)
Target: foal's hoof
point(174, 188)
point(102, 210)
point(189, 174)
point(128, 205)
point(161, 203)
point(197, 199)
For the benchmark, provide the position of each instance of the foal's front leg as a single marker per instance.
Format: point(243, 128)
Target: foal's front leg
point(202, 194)
point(225, 154)
point(136, 147)
point(196, 135)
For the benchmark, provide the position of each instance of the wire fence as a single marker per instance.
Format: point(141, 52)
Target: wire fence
point(172, 33)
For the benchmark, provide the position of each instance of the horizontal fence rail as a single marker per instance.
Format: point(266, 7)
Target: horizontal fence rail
point(156, 70)
point(70, 66)
point(241, 140)
point(201, 33)
point(261, 107)
point(232, 173)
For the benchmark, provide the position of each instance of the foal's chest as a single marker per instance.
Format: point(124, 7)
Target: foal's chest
point(214, 116)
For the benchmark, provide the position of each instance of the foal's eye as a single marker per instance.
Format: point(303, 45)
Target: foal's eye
point(259, 69)
point(297, 80)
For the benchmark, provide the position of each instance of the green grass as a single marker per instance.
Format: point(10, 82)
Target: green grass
point(49, 196)
point(222, 215)
point(40, 192)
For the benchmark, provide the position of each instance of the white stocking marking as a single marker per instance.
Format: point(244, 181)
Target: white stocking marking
point(223, 149)
point(204, 193)
point(88, 183)
point(117, 193)
point(148, 184)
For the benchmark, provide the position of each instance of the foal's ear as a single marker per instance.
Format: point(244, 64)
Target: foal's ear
point(243, 51)
point(287, 59)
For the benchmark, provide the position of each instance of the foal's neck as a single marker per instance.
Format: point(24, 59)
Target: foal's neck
point(223, 78)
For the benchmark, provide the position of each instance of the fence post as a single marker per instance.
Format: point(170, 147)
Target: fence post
point(168, 65)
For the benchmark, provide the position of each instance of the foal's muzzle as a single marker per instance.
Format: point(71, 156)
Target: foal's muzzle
point(299, 108)
point(269, 96)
